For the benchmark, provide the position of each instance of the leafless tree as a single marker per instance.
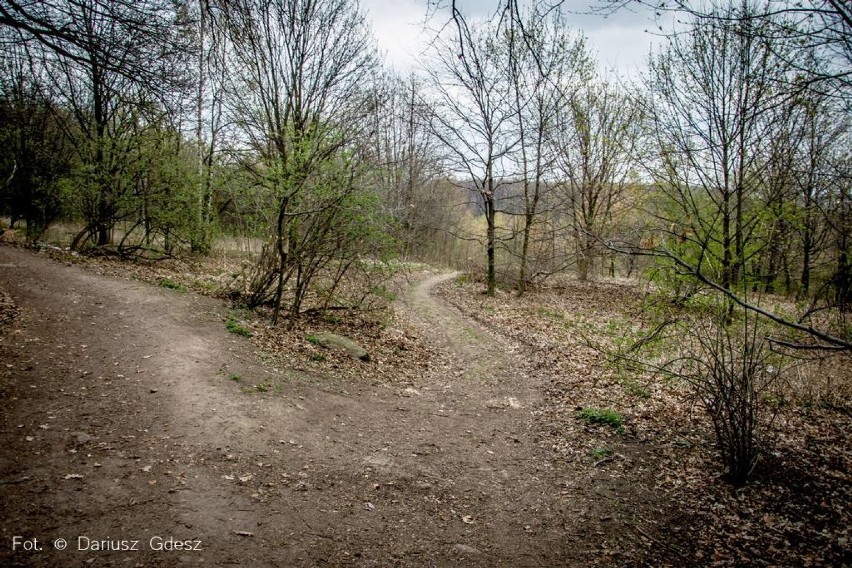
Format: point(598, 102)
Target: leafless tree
point(405, 155)
point(106, 63)
point(727, 91)
point(546, 61)
point(714, 92)
point(820, 29)
point(600, 127)
point(473, 116)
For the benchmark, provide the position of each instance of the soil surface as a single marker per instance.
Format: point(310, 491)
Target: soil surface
point(124, 425)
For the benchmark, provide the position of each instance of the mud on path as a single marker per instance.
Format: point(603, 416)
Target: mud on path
point(119, 423)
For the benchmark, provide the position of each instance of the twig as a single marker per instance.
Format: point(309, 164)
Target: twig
point(604, 460)
point(14, 481)
point(835, 343)
point(686, 560)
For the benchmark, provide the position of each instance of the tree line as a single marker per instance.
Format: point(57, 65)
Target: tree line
point(158, 125)
point(724, 174)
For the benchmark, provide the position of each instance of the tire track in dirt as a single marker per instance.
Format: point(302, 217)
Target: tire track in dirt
point(131, 382)
point(486, 360)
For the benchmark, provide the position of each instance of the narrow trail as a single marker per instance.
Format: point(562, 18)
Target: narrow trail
point(482, 363)
point(120, 423)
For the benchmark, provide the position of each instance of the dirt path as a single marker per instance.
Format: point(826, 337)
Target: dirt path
point(119, 423)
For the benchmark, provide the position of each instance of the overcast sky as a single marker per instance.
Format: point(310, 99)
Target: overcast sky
point(620, 40)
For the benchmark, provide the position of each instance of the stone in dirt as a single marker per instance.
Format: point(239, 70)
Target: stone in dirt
point(334, 341)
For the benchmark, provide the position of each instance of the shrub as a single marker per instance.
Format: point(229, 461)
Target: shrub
point(313, 340)
point(172, 285)
point(598, 454)
point(732, 371)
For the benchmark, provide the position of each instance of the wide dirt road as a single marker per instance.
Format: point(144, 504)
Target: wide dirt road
point(120, 428)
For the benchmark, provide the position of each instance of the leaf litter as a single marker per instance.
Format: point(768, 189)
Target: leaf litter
point(661, 475)
point(679, 510)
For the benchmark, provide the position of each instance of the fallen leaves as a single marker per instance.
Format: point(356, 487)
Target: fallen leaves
point(658, 483)
point(796, 512)
point(9, 311)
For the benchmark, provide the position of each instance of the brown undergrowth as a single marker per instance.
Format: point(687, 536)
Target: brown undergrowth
point(397, 354)
point(795, 511)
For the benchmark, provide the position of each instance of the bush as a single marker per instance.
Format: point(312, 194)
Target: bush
point(732, 371)
point(172, 285)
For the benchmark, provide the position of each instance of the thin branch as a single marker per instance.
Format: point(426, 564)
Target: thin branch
point(836, 343)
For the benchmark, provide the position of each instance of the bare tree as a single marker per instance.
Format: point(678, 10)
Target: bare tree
point(600, 127)
point(58, 27)
point(713, 93)
point(473, 116)
point(545, 63)
point(839, 220)
point(728, 90)
point(819, 29)
point(405, 155)
point(716, 117)
point(105, 63)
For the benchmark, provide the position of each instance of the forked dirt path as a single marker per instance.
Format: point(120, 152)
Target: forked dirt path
point(120, 429)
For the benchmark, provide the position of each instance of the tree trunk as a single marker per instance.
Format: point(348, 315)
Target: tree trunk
point(771, 268)
point(491, 237)
point(201, 235)
point(103, 234)
point(727, 244)
point(492, 275)
point(525, 247)
point(843, 281)
point(283, 246)
point(805, 279)
point(583, 260)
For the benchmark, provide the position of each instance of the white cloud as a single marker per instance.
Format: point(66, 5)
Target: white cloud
point(622, 49)
point(399, 29)
point(619, 41)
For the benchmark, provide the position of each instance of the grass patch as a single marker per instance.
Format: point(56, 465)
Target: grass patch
point(318, 357)
point(603, 416)
point(236, 327)
point(635, 388)
point(313, 340)
point(382, 292)
point(210, 287)
point(600, 453)
point(470, 333)
point(548, 313)
point(235, 377)
point(172, 285)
